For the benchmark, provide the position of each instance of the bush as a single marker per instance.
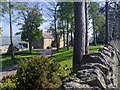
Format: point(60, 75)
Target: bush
point(9, 82)
point(37, 73)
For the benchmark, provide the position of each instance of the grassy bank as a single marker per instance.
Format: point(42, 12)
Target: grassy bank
point(6, 60)
point(64, 57)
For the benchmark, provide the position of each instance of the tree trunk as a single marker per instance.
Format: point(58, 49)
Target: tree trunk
point(94, 34)
point(56, 35)
point(86, 36)
point(29, 30)
point(30, 47)
point(72, 21)
point(94, 31)
point(67, 35)
point(71, 38)
point(79, 35)
point(106, 16)
point(29, 40)
point(11, 42)
point(63, 35)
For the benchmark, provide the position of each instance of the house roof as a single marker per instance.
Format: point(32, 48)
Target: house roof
point(47, 35)
point(5, 40)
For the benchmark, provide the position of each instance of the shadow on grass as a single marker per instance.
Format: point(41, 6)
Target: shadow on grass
point(93, 48)
point(62, 50)
point(7, 61)
point(64, 58)
point(11, 62)
point(5, 57)
point(30, 54)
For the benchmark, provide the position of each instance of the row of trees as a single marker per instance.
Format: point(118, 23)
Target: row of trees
point(67, 18)
point(98, 15)
point(105, 16)
point(80, 30)
point(63, 21)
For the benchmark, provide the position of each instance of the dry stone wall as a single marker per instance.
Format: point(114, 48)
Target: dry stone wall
point(98, 71)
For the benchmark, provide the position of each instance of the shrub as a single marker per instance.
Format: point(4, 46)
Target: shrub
point(37, 73)
point(8, 82)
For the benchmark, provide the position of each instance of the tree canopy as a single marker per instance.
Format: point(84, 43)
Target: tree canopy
point(30, 28)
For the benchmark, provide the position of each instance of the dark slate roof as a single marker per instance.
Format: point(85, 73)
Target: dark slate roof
point(47, 35)
point(5, 40)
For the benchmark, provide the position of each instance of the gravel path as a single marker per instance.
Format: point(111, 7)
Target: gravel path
point(46, 53)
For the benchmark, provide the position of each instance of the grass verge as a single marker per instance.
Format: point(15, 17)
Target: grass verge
point(6, 60)
point(64, 57)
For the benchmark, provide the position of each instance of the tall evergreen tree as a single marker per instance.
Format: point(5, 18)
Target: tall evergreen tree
point(7, 8)
point(106, 23)
point(11, 41)
point(93, 13)
point(79, 36)
point(32, 20)
point(96, 14)
point(53, 13)
point(86, 36)
point(65, 14)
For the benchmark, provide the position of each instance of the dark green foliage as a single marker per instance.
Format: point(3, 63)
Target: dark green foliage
point(38, 73)
point(66, 18)
point(32, 22)
point(98, 22)
point(32, 19)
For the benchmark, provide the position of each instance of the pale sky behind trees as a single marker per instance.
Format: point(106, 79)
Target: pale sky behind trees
point(15, 28)
point(45, 26)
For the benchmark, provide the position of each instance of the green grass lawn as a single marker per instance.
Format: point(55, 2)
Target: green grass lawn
point(64, 57)
point(6, 61)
